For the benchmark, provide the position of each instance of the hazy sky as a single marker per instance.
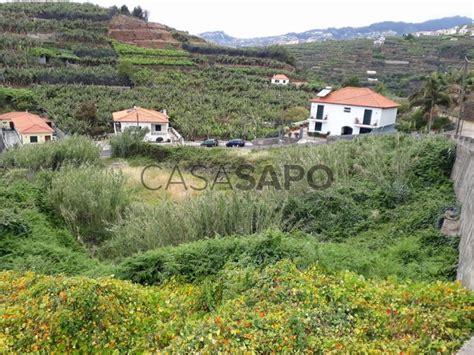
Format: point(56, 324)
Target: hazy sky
point(248, 18)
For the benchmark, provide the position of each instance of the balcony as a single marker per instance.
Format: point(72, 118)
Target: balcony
point(324, 119)
point(359, 123)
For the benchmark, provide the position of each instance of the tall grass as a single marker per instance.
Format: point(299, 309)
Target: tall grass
point(210, 215)
point(75, 150)
point(89, 200)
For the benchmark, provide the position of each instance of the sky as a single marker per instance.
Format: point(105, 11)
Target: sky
point(247, 18)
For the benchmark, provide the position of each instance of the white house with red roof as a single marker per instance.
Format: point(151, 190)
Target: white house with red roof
point(280, 79)
point(30, 128)
point(156, 122)
point(351, 110)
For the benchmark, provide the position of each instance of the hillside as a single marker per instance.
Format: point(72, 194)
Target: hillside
point(135, 31)
point(399, 63)
point(59, 58)
point(386, 28)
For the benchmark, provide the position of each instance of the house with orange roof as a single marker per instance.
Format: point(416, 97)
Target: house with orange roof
point(280, 79)
point(351, 110)
point(156, 122)
point(29, 127)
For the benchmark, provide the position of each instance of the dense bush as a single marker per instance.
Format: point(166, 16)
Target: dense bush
point(279, 308)
point(88, 199)
point(75, 150)
point(30, 240)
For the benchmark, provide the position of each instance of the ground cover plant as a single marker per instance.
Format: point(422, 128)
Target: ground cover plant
point(277, 308)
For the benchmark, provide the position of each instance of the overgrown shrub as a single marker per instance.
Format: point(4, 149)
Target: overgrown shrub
point(71, 151)
point(89, 200)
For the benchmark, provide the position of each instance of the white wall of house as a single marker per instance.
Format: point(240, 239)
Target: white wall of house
point(35, 138)
point(280, 81)
point(5, 123)
point(155, 130)
point(336, 116)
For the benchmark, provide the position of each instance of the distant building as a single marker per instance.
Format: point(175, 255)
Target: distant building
point(351, 110)
point(379, 41)
point(30, 128)
point(156, 122)
point(280, 79)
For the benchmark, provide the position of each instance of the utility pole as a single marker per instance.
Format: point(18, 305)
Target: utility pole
point(463, 94)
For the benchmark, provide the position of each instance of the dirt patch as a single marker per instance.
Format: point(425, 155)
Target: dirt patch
point(145, 34)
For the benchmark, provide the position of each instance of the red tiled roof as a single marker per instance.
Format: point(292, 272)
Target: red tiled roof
point(27, 123)
point(357, 97)
point(280, 77)
point(142, 114)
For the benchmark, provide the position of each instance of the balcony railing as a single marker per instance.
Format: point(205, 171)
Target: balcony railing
point(360, 123)
point(159, 133)
point(325, 118)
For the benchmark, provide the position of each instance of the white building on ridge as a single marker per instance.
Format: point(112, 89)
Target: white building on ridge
point(351, 110)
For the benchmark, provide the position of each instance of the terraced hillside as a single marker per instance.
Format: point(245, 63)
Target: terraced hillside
point(399, 62)
point(78, 63)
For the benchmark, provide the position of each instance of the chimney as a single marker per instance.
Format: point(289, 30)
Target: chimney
point(164, 112)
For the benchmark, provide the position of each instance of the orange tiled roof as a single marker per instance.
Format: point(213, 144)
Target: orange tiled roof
point(143, 115)
point(357, 97)
point(280, 77)
point(27, 123)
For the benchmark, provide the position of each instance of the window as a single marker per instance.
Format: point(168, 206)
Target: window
point(347, 109)
point(157, 127)
point(277, 81)
point(320, 112)
point(47, 138)
point(318, 126)
point(33, 139)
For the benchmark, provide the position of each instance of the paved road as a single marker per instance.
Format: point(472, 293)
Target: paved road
point(468, 129)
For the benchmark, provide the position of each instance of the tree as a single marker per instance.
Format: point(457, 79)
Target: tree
point(431, 94)
point(124, 10)
point(86, 114)
point(352, 81)
point(138, 12)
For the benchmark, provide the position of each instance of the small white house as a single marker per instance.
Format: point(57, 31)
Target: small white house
point(137, 117)
point(280, 79)
point(351, 110)
point(27, 128)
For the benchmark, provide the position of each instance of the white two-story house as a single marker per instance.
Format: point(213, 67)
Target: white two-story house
point(137, 117)
point(351, 110)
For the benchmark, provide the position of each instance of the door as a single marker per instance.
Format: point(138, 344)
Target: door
point(318, 126)
point(367, 117)
point(320, 112)
point(346, 131)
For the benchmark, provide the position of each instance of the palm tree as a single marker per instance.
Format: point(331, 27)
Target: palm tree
point(432, 93)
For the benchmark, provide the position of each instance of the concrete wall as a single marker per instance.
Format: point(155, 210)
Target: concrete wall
point(463, 178)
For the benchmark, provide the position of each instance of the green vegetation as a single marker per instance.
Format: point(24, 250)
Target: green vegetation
point(360, 266)
point(278, 308)
point(71, 151)
point(334, 62)
point(128, 49)
point(207, 90)
point(252, 260)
